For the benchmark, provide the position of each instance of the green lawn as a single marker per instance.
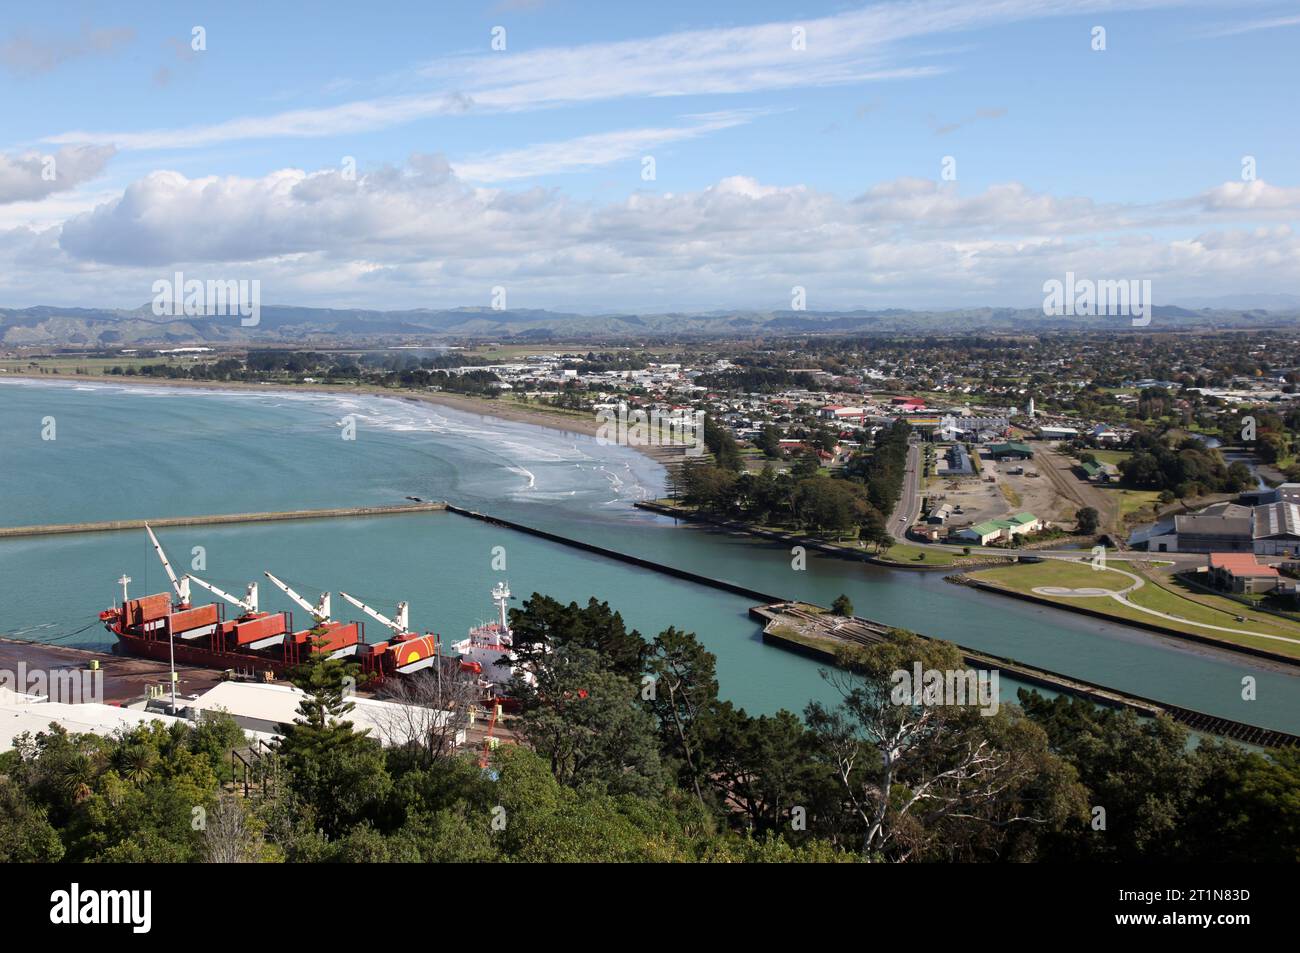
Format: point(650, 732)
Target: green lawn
point(909, 555)
point(1111, 456)
point(1209, 610)
point(1024, 577)
point(1131, 501)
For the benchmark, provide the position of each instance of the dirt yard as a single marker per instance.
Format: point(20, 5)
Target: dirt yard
point(1010, 493)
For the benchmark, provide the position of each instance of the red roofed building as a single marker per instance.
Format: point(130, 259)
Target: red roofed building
point(1240, 572)
point(908, 403)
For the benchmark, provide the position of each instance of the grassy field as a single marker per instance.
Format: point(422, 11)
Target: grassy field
point(1111, 456)
point(1167, 595)
point(90, 366)
point(1024, 577)
point(1133, 501)
point(905, 554)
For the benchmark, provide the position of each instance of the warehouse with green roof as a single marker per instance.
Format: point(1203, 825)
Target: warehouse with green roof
point(1012, 449)
point(991, 531)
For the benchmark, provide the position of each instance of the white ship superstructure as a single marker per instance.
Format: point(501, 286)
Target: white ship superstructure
point(489, 646)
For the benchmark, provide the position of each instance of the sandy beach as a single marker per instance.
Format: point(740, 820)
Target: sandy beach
point(495, 409)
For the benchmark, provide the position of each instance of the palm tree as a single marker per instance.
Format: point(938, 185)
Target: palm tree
point(72, 775)
point(136, 763)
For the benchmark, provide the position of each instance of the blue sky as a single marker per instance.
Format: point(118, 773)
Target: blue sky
point(774, 166)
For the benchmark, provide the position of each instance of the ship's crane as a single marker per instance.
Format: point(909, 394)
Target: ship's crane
point(320, 611)
point(182, 586)
point(400, 626)
point(248, 603)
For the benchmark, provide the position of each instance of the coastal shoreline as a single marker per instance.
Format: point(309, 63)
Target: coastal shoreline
point(478, 406)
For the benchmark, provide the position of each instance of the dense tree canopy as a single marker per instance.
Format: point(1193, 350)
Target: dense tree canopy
point(627, 753)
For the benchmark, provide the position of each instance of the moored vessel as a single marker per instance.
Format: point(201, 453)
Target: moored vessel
point(168, 626)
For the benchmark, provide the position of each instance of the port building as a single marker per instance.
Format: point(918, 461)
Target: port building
point(1012, 450)
point(27, 713)
point(990, 531)
point(1268, 529)
point(1241, 572)
point(261, 707)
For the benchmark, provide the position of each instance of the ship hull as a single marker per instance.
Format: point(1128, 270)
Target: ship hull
point(198, 656)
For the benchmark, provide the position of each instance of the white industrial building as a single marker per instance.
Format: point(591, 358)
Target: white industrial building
point(260, 707)
point(1058, 433)
point(31, 714)
point(257, 708)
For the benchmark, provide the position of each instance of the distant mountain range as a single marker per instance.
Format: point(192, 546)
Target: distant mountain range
point(46, 326)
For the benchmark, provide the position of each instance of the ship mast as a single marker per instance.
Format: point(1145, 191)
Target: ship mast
point(501, 596)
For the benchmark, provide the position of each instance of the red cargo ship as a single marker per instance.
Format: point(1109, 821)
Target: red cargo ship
point(255, 643)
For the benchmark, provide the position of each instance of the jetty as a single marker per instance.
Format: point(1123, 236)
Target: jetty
point(815, 632)
point(699, 578)
point(109, 526)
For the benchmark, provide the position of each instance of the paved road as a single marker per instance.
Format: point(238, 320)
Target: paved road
point(909, 504)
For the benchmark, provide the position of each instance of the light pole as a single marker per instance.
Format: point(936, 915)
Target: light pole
point(171, 651)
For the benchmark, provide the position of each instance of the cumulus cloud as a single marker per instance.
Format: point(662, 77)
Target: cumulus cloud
point(419, 234)
point(33, 175)
point(1255, 195)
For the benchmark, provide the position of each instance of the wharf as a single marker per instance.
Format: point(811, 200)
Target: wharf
point(125, 679)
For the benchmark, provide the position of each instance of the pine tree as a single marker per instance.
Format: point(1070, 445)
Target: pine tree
point(336, 770)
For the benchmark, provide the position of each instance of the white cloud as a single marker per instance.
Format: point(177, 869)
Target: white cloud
point(419, 235)
point(1251, 26)
point(852, 47)
point(33, 175)
point(588, 152)
point(1254, 195)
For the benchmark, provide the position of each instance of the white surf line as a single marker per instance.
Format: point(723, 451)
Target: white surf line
point(526, 474)
point(1121, 596)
